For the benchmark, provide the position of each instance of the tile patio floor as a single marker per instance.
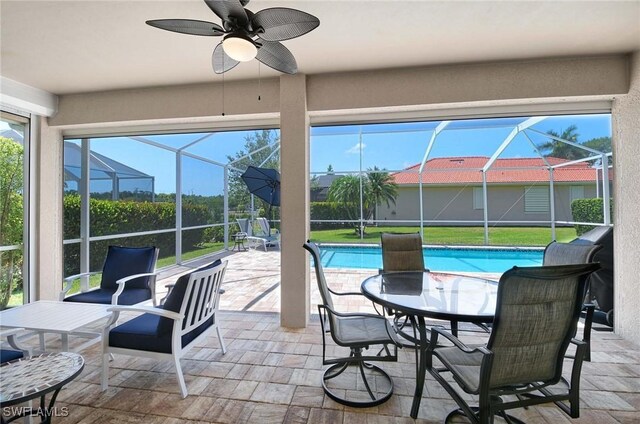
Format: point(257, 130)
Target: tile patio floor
point(272, 374)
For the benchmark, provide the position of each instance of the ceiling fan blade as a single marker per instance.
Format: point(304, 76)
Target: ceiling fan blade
point(229, 11)
point(221, 62)
point(276, 56)
point(282, 23)
point(188, 26)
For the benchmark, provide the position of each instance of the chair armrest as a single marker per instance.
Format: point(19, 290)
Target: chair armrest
point(68, 282)
point(10, 334)
point(435, 331)
point(147, 310)
point(121, 285)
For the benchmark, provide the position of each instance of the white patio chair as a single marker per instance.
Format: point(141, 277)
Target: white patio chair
point(168, 332)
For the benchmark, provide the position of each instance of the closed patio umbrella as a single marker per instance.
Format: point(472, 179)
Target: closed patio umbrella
point(264, 183)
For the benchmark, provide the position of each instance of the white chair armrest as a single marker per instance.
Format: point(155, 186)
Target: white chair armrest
point(121, 285)
point(68, 283)
point(10, 334)
point(147, 310)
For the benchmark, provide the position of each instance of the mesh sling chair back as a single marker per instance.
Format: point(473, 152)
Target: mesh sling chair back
point(357, 332)
point(168, 332)
point(537, 311)
point(402, 252)
point(128, 277)
point(566, 254)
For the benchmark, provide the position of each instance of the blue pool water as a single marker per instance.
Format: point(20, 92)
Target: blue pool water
point(436, 259)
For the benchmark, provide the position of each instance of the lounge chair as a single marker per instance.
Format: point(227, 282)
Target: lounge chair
point(128, 277)
point(262, 236)
point(168, 332)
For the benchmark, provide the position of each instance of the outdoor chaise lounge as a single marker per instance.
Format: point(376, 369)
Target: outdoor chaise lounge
point(262, 236)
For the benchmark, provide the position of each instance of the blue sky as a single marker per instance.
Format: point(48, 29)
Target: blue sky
point(388, 146)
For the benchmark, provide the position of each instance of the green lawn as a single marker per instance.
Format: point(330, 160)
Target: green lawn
point(499, 236)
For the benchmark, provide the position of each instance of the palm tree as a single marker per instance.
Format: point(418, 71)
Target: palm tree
point(346, 191)
point(562, 150)
point(380, 188)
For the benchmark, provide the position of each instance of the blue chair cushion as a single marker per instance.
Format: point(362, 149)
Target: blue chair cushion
point(142, 333)
point(125, 261)
point(7, 355)
point(127, 297)
point(174, 300)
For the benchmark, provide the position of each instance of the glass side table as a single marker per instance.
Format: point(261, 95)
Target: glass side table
point(35, 376)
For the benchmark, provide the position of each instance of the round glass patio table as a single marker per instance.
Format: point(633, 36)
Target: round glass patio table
point(432, 295)
point(28, 378)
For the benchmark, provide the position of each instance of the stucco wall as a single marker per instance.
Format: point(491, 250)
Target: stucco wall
point(506, 203)
point(626, 152)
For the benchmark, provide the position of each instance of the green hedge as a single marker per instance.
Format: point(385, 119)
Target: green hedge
point(328, 211)
point(117, 217)
point(588, 210)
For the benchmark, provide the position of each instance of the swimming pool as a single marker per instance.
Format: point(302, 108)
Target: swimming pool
point(435, 258)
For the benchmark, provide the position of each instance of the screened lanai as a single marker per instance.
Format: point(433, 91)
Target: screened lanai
point(489, 173)
point(193, 193)
point(481, 173)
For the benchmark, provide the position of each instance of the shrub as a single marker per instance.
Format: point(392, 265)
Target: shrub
point(588, 210)
point(117, 217)
point(328, 211)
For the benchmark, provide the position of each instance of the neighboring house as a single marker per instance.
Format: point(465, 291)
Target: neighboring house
point(517, 190)
point(320, 187)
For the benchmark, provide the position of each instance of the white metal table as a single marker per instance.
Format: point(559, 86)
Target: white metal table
point(64, 318)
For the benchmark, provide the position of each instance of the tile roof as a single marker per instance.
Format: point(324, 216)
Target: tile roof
point(466, 170)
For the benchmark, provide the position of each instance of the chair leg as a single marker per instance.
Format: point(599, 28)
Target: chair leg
point(183, 386)
point(105, 371)
point(224, 348)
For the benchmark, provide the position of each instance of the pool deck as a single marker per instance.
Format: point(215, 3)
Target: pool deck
point(252, 282)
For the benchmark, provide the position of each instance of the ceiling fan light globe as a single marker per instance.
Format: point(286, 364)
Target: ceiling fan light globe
point(239, 47)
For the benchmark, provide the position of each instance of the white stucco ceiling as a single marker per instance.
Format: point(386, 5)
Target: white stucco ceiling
point(78, 46)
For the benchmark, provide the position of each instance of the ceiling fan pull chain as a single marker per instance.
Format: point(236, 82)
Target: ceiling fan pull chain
point(223, 85)
point(259, 81)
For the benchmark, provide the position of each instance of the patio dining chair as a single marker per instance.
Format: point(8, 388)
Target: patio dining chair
point(168, 332)
point(128, 277)
point(537, 312)
point(357, 332)
point(566, 254)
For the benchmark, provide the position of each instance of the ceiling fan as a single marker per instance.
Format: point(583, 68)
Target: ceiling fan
point(247, 35)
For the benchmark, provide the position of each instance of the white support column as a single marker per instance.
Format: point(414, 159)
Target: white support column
point(625, 117)
point(295, 296)
point(226, 208)
point(552, 204)
point(605, 190)
point(484, 207)
point(178, 208)
point(48, 225)
point(85, 212)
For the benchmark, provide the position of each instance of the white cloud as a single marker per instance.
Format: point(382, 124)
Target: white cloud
point(356, 149)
